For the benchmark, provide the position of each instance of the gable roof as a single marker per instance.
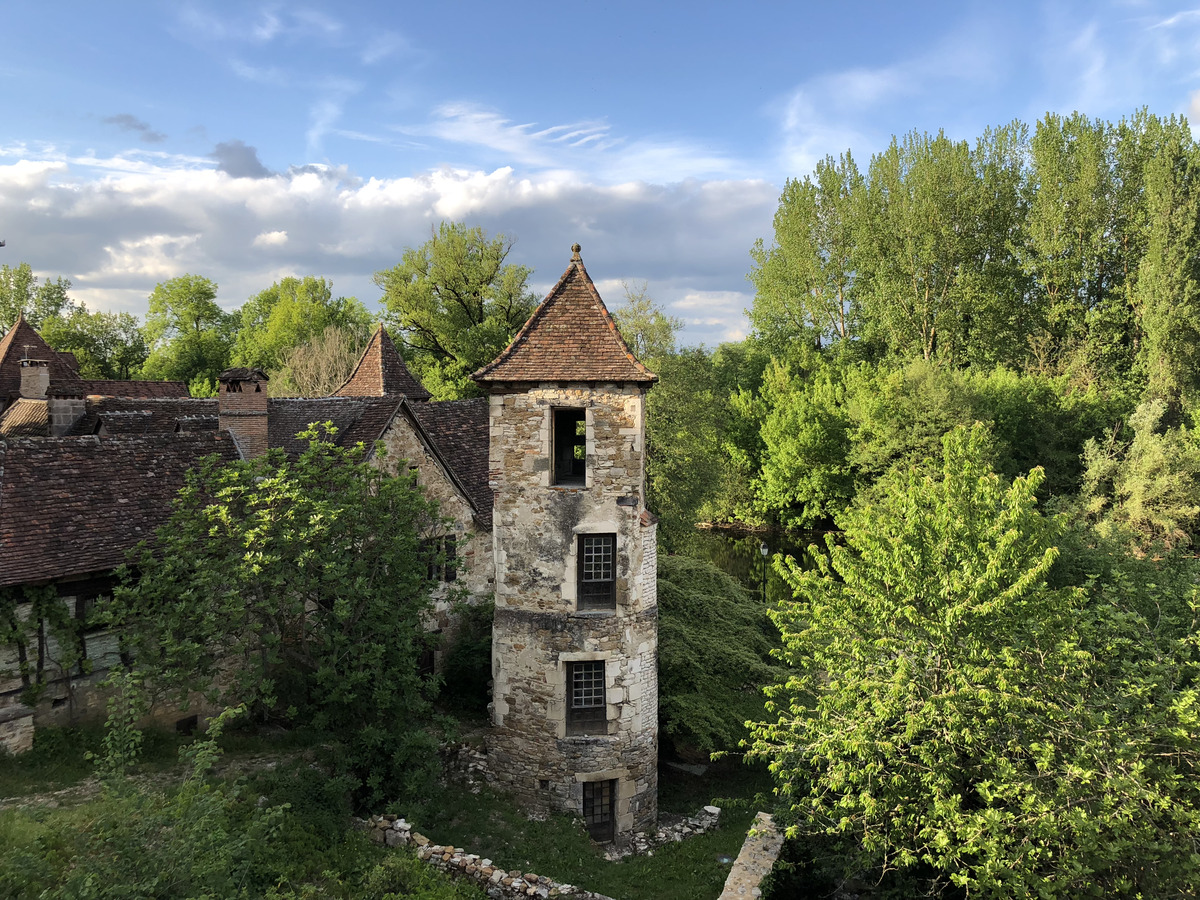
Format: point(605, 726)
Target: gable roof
point(98, 387)
point(569, 337)
point(457, 433)
point(74, 505)
point(13, 349)
point(381, 372)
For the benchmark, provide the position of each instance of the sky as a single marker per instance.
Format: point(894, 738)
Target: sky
point(249, 141)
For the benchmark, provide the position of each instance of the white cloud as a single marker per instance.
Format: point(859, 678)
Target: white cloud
point(116, 228)
point(270, 239)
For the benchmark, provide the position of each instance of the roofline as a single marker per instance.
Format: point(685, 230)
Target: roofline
point(406, 406)
point(576, 264)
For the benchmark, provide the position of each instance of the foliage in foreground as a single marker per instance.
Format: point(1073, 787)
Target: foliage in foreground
point(281, 836)
point(960, 724)
point(714, 655)
point(297, 587)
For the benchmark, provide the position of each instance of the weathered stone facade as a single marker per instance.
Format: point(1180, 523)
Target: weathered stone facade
point(473, 543)
point(539, 628)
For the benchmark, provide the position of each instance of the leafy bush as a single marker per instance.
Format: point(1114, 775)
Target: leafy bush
point(467, 665)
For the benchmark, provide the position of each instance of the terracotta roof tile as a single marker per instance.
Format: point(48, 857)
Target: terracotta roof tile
point(569, 337)
point(381, 372)
point(458, 433)
point(162, 415)
point(356, 419)
point(26, 418)
point(74, 505)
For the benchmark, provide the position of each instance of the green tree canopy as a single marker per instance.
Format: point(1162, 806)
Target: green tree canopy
point(189, 335)
point(106, 345)
point(455, 303)
point(21, 294)
point(648, 330)
point(297, 587)
point(955, 720)
point(291, 313)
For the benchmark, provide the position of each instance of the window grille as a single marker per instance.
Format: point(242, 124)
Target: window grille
point(597, 584)
point(599, 804)
point(586, 709)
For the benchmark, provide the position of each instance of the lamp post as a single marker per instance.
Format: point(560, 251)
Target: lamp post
point(765, 551)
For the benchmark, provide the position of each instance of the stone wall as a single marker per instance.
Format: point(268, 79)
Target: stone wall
point(405, 451)
point(16, 729)
point(539, 629)
point(759, 853)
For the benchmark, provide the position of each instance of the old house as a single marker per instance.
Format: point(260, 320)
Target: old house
point(542, 482)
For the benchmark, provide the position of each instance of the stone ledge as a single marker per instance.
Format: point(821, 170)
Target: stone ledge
point(759, 853)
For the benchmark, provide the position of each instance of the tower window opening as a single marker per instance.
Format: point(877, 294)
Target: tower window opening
point(586, 709)
point(570, 446)
point(597, 583)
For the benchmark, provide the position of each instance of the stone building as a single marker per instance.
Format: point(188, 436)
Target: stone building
point(541, 484)
point(574, 642)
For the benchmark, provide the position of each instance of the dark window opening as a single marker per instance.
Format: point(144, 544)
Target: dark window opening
point(597, 581)
point(599, 807)
point(441, 558)
point(187, 725)
point(570, 446)
point(586, 709)
point(427, 658)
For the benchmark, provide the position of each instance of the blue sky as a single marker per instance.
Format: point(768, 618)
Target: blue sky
point(248, 141)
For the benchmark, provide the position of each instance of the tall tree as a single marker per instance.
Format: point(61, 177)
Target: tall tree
point(804, 283)
point(21, 294)
point(290, 313)
point(1167, 294)
point(106, 345)
point(189, 335)
point(455, 303)
point(646, 327)
point(919, 246)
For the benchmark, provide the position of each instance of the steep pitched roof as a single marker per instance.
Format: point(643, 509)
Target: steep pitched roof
point(13, 349)
point(381, 372)
point(457, 432)
point(155, 415)
point(569, 337)
point(74, 505)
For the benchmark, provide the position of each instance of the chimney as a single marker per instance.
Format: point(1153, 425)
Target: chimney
point(242, 409)
point(64, 411)
point(35, 378)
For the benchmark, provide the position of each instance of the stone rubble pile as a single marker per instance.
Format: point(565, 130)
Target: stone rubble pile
point(465, 764)
point(671, 832)
point(498, 883)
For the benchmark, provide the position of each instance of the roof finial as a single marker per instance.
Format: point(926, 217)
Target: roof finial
point(575, 257)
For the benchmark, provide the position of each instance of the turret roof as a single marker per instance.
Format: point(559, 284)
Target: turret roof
point(569, 337)
point(381, 372)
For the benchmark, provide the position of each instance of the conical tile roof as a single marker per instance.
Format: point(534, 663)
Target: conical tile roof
point(23, 342)
point(569, 337)
point(381, 372)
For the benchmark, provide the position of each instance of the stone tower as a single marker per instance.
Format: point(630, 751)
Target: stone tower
point(575, 638)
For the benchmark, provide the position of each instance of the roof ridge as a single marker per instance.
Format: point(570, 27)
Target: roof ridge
point(623, 367)
point(381, 349)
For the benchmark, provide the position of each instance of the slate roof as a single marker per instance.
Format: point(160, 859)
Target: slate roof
point(160, 415)
point(569, 337)
point(457, 432)
point(26, 418)
point(381, 372)
point(13, 350)
point(74, 505)
point(356, 419)
point(142, 389)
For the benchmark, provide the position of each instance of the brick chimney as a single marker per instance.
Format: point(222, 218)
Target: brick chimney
point(242, 409)
point(35, 378)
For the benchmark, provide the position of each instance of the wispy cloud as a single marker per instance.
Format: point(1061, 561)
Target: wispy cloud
point(382, 46)
point(260, 26)
point(128, 122)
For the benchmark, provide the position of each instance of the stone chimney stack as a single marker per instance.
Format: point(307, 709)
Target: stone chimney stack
point(242, 409)
point(35, 378)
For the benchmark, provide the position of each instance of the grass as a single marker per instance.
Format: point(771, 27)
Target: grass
point(559, 847)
